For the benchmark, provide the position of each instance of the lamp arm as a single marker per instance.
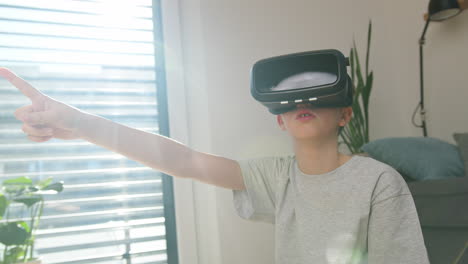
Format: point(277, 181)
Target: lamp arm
point(422, 39)
point(422, 111)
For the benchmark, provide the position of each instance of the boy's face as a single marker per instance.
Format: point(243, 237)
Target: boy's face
point(309, 122)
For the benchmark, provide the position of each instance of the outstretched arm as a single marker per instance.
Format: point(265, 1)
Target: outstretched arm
point(161, 153)
point(47, 118)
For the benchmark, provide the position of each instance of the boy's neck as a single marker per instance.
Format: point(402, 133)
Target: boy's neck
point(318, 157)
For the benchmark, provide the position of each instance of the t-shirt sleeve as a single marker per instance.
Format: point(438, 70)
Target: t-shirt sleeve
point(262, 179)
point(394, 234)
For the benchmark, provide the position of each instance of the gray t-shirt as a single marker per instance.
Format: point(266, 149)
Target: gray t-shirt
point(361, 212)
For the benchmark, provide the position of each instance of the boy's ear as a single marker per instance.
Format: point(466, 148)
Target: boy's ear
point(347, 113)
point(279, 119)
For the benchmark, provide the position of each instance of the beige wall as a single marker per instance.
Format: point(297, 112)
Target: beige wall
point(220, 41)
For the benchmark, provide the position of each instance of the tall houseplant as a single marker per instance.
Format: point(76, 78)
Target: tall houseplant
point(21, 205)
point(356, 133)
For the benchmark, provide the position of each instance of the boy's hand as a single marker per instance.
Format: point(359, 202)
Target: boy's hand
point(45, 118)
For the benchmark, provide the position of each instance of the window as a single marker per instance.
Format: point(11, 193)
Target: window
point(105, 57)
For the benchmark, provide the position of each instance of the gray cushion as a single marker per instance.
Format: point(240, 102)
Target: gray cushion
point(462, 142)
point(419, 158)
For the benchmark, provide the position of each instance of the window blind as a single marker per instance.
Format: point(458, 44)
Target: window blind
point(105, 57)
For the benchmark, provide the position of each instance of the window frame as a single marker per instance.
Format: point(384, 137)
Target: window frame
point(165, 126)
point(183, 190)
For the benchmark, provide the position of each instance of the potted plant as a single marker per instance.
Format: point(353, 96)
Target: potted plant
point(21, 205)
point(356, 133)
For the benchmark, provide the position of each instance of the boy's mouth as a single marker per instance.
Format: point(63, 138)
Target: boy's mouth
point(304, 114)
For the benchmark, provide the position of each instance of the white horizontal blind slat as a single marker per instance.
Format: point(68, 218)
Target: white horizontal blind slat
point(97, 56)
point(112, 8)
point(19, 13)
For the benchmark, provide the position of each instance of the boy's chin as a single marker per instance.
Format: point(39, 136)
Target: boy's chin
point(313, 137)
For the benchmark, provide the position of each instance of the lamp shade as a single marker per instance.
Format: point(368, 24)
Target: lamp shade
point(443, 9)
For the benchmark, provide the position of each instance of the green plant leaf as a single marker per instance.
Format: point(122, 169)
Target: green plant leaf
point(25, 226)
point(29, 200)
point(33, 189)
point(352, 134)
point(367, 89)
point(358, 115)
point(366, 98)
point(14, 190)
point(13, 234)
point(57, 187)
point(14, 255)
point(44, 183)
point(3, 205)
point(16, 186)
point(353, 73)
point(356, 133)
point(369, 36)
point(360, 79)
point(25, 181)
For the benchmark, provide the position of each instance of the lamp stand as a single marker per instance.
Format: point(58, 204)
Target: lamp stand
point(422, 110)
point(435, 14)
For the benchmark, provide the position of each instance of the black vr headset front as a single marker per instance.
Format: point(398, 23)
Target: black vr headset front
point(317, 77)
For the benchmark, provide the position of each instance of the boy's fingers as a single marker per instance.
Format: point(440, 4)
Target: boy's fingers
point(37, 118)
point(24, 87)
point(7, 74)
point(39, 139)
point(21, 112)
point(37, 131)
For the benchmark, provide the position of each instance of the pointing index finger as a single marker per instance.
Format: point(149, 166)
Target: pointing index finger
point(24, 87)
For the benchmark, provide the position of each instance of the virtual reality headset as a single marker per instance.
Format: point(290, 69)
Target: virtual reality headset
point(317, 77)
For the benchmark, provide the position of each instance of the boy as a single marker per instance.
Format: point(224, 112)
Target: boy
point(327, 207)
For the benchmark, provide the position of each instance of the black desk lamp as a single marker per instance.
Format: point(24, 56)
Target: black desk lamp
point(439, 10)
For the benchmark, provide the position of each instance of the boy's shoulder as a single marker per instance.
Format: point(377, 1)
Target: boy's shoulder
point(387, 181)
point(375, 165)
